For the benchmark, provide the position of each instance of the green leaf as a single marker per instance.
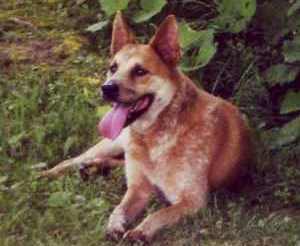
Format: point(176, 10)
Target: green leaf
point(149, 9)
point(234, 15)
point(291, 50)
point(59, 199)
point(207, 50)
point(203, 51)
point(112, 6)
point(69, 143)
point(290, 103)
point(16, 139)
point(3, 179)
point(280, 74)
point(39, 133)
point(97, 26)
point(289, 133)
point(187, 35)
point(294, 8)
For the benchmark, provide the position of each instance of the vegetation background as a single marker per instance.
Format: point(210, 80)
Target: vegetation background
point(53, 56)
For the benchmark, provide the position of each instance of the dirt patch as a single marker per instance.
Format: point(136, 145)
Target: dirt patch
point(34, 52)
point(51, 52)
point(41, 52)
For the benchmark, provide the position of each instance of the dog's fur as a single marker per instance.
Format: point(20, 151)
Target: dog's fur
point(186, 144)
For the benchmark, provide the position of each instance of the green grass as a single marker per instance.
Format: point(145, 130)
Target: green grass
point(49, 110)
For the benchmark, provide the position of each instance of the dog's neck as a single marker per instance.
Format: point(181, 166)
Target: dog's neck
point(170, 111)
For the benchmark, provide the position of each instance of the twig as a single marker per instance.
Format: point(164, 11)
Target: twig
point(23, 23)
point(219, 75)
point(79, 2)
point(239, 84)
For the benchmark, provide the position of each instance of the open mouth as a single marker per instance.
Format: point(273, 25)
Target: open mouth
point(122, 115)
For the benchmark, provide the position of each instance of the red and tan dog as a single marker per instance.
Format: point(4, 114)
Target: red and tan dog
point(178, 140)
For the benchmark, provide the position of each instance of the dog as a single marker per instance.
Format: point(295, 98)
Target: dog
point(177, 140)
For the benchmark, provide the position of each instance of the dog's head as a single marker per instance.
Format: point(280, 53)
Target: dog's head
point(140, 79)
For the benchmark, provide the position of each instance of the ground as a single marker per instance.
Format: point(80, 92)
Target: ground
point(50, 71)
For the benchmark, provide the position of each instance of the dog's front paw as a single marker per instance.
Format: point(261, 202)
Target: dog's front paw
point(86, 170)
point(115, 233)
point(116, 225)
point(93, 168)
point(137, 235)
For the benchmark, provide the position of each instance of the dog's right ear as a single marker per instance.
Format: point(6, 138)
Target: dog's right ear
point(121, 34)
point(166, 41)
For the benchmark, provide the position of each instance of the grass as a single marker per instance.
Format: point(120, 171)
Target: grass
point(49, 108)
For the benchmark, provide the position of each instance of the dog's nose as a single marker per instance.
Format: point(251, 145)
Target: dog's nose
point(110, 91)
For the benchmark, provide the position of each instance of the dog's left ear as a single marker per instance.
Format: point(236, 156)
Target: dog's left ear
point(166, 41)
point(121, 34)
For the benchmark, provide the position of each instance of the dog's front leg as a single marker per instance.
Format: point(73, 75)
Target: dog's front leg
point(190, 203)
point(104, 150)
point(136, 198)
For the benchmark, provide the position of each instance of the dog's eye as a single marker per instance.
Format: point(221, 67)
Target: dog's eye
point(113, 68)
point(139, 71)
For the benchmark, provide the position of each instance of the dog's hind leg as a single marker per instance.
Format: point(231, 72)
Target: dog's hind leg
point(98, 154)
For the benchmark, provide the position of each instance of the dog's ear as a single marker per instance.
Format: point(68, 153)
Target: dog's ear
point(166, 41)
point(121, 34)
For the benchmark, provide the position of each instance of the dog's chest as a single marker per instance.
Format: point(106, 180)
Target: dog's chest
point(164, 145)
point(152, 158)
point(152, 151)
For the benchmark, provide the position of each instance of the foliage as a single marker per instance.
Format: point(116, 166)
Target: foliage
point(288, 133)
point(148, 10)
point(280, 74)
point(290, 103)
point(234, 15)
point(198, 47)
point(291, 50)
point(111, 7)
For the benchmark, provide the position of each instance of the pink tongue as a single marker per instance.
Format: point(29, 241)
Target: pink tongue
point(114, 121)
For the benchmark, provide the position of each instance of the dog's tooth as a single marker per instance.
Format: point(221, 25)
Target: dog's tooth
point(135, 106)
